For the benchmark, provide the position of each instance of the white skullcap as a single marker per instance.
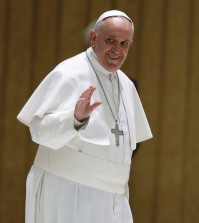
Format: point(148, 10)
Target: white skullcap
point(113, 13)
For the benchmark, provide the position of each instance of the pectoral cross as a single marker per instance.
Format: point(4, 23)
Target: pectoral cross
point(117, 133)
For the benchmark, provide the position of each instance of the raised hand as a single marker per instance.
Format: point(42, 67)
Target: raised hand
point(84, 108)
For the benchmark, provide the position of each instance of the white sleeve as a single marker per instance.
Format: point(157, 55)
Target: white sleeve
point(54, 130)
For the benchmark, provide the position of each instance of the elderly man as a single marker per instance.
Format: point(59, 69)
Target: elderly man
point(86, 117)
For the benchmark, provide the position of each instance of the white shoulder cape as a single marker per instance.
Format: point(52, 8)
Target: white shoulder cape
point(61, 88)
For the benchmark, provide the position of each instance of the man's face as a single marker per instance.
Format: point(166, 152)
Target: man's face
point(111, 42)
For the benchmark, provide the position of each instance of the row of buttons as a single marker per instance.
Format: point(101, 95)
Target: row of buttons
point(116, 206)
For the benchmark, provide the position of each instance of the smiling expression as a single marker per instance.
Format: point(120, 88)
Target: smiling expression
point(111, 40)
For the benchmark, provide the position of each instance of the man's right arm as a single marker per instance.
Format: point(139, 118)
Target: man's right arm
point(54, 130)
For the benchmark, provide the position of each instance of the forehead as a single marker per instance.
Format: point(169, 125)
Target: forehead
point(116, 26)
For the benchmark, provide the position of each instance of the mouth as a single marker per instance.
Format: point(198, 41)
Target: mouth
point(114, 57)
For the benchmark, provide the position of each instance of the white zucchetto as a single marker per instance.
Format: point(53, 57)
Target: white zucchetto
point(113, 13)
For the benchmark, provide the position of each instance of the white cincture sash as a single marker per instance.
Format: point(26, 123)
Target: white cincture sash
point(84, 169)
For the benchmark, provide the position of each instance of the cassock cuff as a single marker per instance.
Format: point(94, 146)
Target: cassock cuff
point(80, 125)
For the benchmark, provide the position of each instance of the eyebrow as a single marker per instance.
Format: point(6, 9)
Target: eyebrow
point(116, 38)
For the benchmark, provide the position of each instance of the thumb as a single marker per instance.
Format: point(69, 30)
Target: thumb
point(95, 105)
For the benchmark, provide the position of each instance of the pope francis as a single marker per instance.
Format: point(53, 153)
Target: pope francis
point(87, 118)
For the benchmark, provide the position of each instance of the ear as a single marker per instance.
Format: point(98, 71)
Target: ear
point(93, 37)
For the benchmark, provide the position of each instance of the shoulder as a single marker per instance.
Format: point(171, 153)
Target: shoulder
point(124, 78)
point(72, 64)
point(69, 70)
point(72, 73)
point(127, 84)
point(73, 69)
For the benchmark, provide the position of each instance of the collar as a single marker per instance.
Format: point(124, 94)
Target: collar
point(93, 58)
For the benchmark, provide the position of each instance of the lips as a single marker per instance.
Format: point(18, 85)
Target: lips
point(113, 56)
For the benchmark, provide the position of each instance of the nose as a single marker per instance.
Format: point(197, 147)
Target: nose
point(116, 48)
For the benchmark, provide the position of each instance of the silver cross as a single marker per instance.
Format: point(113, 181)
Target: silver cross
point(117, 133)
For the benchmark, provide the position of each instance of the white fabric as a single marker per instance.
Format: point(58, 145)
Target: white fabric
point(84, 169)
point(50, 115)
point(112, 13)
point(52, 106)
point(122, 153)
point(71, 202)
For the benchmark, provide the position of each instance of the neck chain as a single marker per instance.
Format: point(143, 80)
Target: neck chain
point(116, 130)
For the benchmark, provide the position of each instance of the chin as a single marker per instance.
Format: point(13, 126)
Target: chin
point(113, 68)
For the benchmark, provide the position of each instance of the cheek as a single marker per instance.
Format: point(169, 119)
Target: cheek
point(125, 53)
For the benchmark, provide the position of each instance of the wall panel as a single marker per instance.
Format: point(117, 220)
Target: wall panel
point(97, 7)
point(190, 192)
point(149, 71)
point(44, 33)
point(43, 50)
point(132, 9)
point(173, 113)
point(3, 43)
point(13, 150)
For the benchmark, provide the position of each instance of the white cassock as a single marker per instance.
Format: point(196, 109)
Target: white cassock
point(81, 176)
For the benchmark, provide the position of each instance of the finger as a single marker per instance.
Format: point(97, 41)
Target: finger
point(86, 92)
point(82, 102)
point(90, 94)
point(95, 105)
point(81, 99)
